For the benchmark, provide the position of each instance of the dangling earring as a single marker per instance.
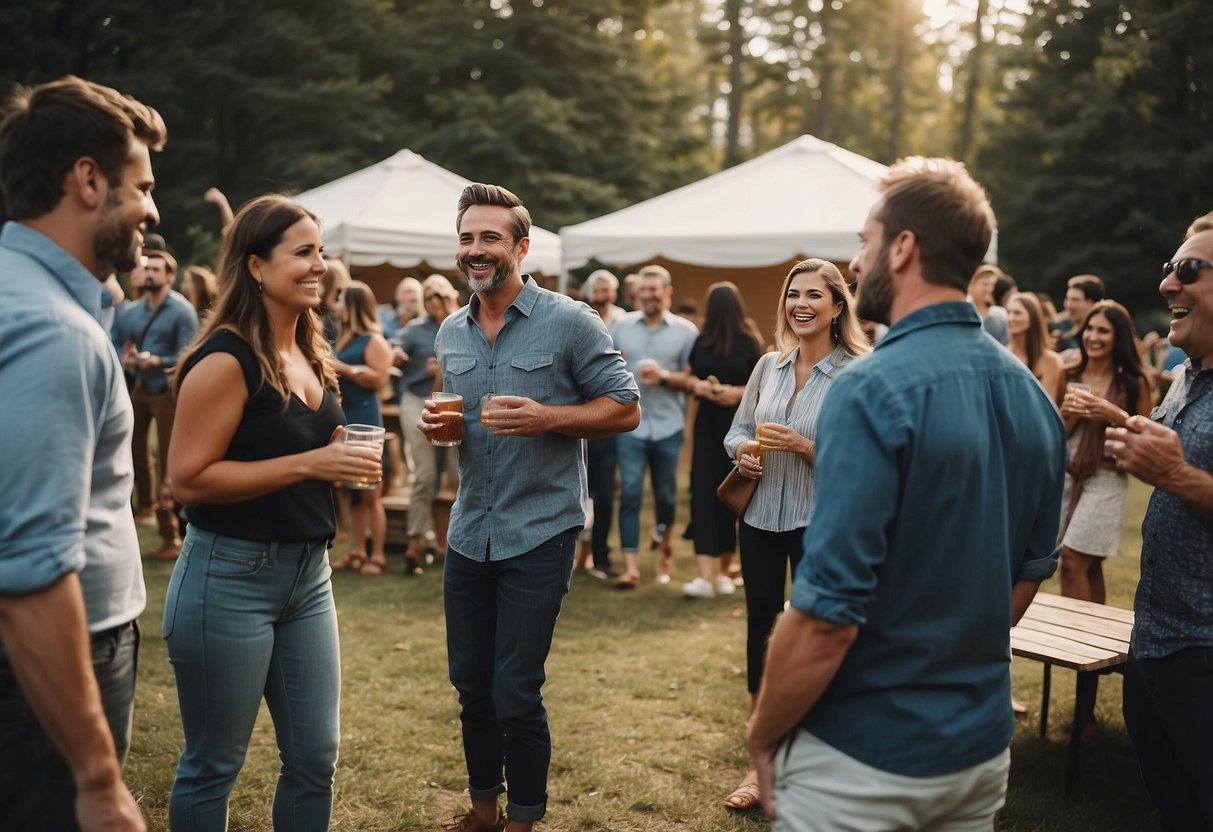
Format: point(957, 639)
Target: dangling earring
point(257, 279)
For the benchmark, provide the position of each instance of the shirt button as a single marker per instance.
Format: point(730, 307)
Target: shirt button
point(490, 508)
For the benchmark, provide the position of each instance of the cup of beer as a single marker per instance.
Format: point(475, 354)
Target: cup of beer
point(449, 407)
point(488, 405)
point(371, 436)
point(766, 439)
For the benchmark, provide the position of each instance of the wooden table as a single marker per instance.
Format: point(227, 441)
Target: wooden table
point(1090, 639)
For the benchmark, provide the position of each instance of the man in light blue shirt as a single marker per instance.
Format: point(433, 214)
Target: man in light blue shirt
point(149, 334)
point(556, 379)
point(657, 346)
point(934, 524)
point(77, 177)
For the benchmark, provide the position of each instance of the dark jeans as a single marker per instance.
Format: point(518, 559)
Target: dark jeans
point(36, 786)
point(601, 462)
point(500, 616)
point(1168, 707)
point(764, 562)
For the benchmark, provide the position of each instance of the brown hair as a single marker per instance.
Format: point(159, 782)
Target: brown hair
point(204, 283)
point(482, 194)
point(948, 213)
point(257, 229)
point(361, 314)
point(726, 323)
point(845, 329)
point(1202, 223)
point(1036, 339)
point(49, 127)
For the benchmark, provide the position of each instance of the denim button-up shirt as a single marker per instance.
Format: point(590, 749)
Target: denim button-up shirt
point(170, 332)
point(939, 487)
point(515, 492)
point(1174, 602)
point(65, 435)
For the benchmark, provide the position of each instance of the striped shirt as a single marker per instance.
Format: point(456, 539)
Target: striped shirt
point(783, 500)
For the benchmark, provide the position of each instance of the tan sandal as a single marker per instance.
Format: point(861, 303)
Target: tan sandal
point(352, 561)
point(373, 567)
point(743, 798)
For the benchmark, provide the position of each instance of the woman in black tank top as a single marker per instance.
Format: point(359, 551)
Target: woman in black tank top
point(249, 611)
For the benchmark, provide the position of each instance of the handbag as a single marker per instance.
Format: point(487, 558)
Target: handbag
point(736, 490)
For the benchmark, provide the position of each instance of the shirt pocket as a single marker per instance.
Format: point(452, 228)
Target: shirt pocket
point(532, 374)
point(457, 375)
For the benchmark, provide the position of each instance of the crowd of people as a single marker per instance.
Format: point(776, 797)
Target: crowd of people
point(907, 498)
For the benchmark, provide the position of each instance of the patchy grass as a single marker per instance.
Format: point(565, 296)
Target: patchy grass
point(647, 699)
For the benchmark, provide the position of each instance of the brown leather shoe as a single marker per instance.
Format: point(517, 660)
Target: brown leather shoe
point(169, 551)
point(468, 822)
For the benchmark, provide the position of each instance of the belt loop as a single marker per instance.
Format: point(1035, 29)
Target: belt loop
point(272, 551)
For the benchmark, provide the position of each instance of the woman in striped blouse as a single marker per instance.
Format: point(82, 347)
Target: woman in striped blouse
point(816, 334)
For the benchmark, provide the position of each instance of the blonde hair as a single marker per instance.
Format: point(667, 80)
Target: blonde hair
point(257, 229)
point(844, 329)
point(439, 285)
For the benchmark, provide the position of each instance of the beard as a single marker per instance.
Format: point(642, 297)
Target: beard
point(116, 244)
point(875, 299)
point(499, 276)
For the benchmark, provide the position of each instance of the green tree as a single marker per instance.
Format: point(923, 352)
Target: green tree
point(1106, 151)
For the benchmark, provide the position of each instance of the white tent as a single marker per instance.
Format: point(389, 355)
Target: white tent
point(401, 211)
point(807, 198)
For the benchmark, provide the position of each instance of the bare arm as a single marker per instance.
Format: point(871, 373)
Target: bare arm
point(210, 406)
point(1022, 593)
point(46, 639)
point(217, 198)
point(803, 656)
point(595, 419)
point(375, 372)
point(1153, 452)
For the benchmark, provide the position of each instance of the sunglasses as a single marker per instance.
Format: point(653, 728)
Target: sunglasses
point(1186, 270)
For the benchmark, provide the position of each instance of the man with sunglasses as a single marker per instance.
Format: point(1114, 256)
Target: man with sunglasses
point(1169, 674)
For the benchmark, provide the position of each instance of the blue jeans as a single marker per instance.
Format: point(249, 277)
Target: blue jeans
point(245, 619)
point(37, 790)
point(500, 616)
point(661, 457)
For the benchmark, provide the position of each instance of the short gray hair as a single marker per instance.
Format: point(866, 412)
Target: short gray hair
point(600, 276)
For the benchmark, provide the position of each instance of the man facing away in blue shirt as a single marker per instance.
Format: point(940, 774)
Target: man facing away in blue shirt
point(77, 177)
point(557, 379)
point(1168, 690)
point(885, 702)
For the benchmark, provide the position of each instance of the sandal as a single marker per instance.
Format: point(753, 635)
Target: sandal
point(352, 561)
point(627, 581)
point(412, 565)
point(743, 798)
point(375, 566)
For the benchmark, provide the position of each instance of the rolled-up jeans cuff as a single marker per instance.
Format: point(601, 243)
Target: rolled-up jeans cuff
point(485, 794)
point(525, 813)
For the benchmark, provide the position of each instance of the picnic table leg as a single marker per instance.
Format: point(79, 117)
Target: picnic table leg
point(1044, 700)
point(1084, 712)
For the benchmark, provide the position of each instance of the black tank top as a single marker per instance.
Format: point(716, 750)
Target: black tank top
point(299, 512)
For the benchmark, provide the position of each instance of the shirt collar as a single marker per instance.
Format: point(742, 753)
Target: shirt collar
point(949, 312)
point(829, 365)
point(524, 302)
point(82, 285)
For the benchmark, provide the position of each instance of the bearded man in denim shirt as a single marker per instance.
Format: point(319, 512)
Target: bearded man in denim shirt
point(1168, 690)
point(557, 379)
point(887, 686)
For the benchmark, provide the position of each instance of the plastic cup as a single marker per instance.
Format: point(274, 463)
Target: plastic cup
point(372, 436)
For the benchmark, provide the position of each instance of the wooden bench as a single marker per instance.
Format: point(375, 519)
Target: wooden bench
point(1090, 639)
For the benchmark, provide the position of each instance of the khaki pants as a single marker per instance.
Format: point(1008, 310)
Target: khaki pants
point(149, 407)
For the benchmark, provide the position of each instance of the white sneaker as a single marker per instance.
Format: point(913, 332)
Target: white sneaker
point(724, 585)
point(698, 588)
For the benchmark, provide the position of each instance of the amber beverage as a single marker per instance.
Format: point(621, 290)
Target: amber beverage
point(450, 431)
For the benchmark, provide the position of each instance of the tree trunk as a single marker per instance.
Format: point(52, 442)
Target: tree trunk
point(732, 148)
point(972, 84)
point(897, 84)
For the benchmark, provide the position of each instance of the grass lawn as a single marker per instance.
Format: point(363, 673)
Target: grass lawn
point(647, 699)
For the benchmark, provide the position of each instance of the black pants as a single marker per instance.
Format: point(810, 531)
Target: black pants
point(765, 557)
point(1168, 708)
point(601, 463)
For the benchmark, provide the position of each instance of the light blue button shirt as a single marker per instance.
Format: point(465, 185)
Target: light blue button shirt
point(515, 492)
point(663, 411)
point(170, 331)
point(65, 435)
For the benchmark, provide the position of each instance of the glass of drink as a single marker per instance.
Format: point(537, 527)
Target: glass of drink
point(488, 405)
point(371, 436)
point(449, 407)
point(767, 440)
point(1079, 387)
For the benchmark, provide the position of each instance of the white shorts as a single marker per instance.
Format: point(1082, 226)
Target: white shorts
point(820, 789)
